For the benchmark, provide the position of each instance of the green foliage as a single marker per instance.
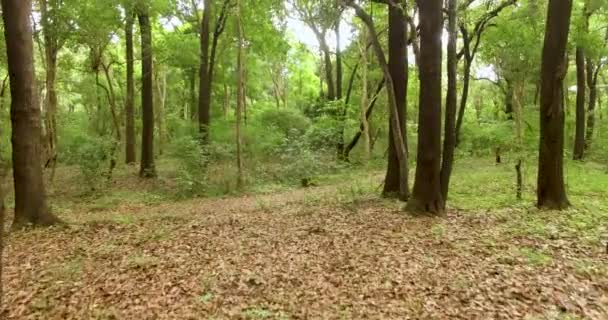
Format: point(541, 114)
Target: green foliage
point(287, 121)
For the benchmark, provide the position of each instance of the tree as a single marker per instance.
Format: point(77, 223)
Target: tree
point(471, 38)
point(397, 133)
point(30, 197)
point(204, 99)
point(551, 192)
point(129, 103)
point(449, 142)
point(581, 88)
point(397, 60)
point(426, 195)
point(147, 169)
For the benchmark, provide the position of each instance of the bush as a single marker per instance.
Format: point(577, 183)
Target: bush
point(287, 121)
point(92, 155)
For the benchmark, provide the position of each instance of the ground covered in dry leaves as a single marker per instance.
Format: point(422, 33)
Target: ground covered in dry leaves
point(315, 253)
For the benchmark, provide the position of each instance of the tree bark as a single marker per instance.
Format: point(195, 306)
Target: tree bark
point(147, 169)
point(449, 142)
point(30, 198)
point(51, 49)
point(426, 195)
point(592, 74)
point(204, 98)
point(581, 90)
point(551, 192)
point(364, 103)
point(396, 178)
point(392, 99)
point(129, 105)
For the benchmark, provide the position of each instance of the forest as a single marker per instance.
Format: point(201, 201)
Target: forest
point(304, 159)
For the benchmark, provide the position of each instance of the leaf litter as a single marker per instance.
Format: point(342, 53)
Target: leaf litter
point(281, 256)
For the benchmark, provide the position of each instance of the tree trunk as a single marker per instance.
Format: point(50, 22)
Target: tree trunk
point(364, 98)
point(51, 49)
point(463, 98)
point(449, 142)
point(551, 192)
point(129, 105)
point(581, 88)
point(204, 98)
point(30, 197)
point(398, 140)
point(344, 106)
point(368, 114)
point(226, 100)
point(161, 88)
point(147, 169)
point(396, 179)
point(240, 96)
point(592, 74)
point(426, 195)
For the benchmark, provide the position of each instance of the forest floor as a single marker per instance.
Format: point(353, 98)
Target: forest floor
point(335, 251)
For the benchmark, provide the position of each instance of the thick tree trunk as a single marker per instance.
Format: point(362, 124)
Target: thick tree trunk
point(129, 105)
point(30, 197)
point(551, 192)
point(396, 128)
point(426, 196)
point(204, 98)
point(147, 169)
point(581, 90)
point(449, 142)
point(396, 179)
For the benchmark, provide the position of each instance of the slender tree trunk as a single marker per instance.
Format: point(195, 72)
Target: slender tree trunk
point(449, 142)
point(339, 79)
point(240, 96)
point(579, 140)
point(426, 195)
point(147, 169)
point(592, 74)
point(509, 100)
point(193, 102)
point(226, 100)
point(161, 88)
point(551, 191)
point(51, 49)
point(463, 98)
point(396, 179)
point(204, 99)
point(398, 140)
point(364, 98)
point(368, 114)
point(30, 197)
point(129, 105)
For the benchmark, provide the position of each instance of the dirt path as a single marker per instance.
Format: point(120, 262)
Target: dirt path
point(304, 254)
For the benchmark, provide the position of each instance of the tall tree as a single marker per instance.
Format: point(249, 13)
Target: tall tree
point(398, 140)
point(551, 192)
point(204, 99)
point(147, 168)
point(449, 142)
point(471, 39)
point(426, 194)
point(397, 61)
point(581, 86)
point(30, 197)
point(129, 103)
point(581, 91)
